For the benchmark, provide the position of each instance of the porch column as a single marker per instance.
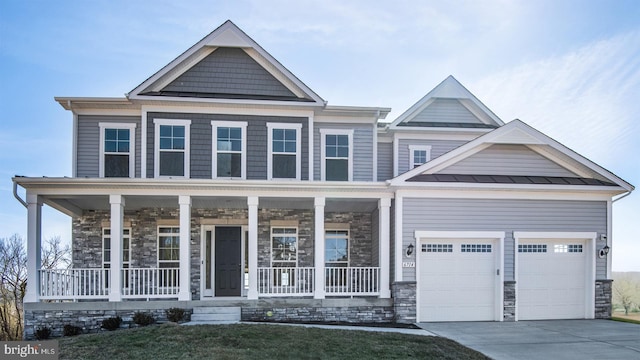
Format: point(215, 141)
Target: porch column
point(115, 272)
point(384, 206)
point(34, 241)
point(252, 203)
point(319, 248)
point(184, 294)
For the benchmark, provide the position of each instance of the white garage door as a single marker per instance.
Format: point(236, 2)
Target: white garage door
point(457, 280)
point(551, 279)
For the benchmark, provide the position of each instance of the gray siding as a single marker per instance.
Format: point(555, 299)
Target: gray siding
point(201, 142)
point(385, 161)
point(438, 148)
point(503, 215)
point(502, 159)
point(228, 71)
point(88, 155)
point(446, 111)
point(362, 149)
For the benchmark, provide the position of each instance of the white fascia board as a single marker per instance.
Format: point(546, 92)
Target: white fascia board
point(611, 190)
point(112, 112)
point(445, 130)
point(228, 101)
point(412, 135)
point(459, 234)
point(342, 120)
point(554, 235)
point(501, 194)
point(230, 110)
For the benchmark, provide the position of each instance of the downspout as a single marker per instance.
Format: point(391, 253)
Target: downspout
point(622, 197)
point(15, 193)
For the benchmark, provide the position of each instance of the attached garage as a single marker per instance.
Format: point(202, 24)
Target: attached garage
point(459, 276)
point(555, 275)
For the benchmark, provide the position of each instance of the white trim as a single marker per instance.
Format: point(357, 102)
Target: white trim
point(143, 143)
point(187, 146)
point(505, 193)
point(590, 262)
point(34, 244)
point(310, 147)
point(117, 204)
point(318, 246)
point(384, 254)
point(243, 152)
point(374, 176)
point(228, 109)
point(498, 239)
point(124, 237)
point(184, 292)
point(271, 235)
point(413, 148)
point(172, 234)
point(398, 238)
point(348, 230)
point(609, 237)
point(74, 146)
point(298, 128)
point(252, 220)
point(203, 261)
point(396, 156)
point(132, 145)
point(323, 158)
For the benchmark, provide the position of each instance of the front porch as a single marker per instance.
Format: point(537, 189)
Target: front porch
point(186, 248)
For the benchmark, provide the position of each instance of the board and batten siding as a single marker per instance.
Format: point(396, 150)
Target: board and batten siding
point(505, 215)
point(202, 142)
point(362, 149)
point(438, 148)
point(446, 111)
point(88, 156)
point(385, 161)
point(503, 159)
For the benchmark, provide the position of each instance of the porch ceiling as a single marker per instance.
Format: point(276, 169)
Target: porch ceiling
point(75, 204)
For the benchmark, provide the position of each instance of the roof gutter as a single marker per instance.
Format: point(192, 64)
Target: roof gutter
point(15, 193)
point(622, 197)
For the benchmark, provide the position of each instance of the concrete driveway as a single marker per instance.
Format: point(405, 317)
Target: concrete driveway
point(549, 339)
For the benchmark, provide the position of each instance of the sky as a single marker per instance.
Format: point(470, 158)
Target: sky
point(569, 68)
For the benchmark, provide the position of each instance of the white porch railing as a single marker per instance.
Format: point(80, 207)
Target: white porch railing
point(285, 281)
point(150, 282)
point(352, 281)
point(64, 284)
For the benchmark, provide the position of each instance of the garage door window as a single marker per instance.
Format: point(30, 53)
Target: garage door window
point(437, 248)
point(564, 248)
point(475, 248)
point(532, 248)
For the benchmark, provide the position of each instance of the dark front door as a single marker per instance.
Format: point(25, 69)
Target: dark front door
point(228, 268)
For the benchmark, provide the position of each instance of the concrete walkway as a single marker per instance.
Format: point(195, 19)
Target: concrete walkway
point(551, 339)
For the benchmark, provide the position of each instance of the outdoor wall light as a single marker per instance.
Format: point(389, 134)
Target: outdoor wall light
point(604, 251)
point(409, 249)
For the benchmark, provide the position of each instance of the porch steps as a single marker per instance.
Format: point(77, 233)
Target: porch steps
point(216, 314)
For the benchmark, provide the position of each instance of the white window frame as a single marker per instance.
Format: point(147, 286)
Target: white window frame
point(297, 235)
point(243, 152)
point(413, 149)
point(323, 153)
point(158, 234)
point(347, 263)
point(132, 145)
point(285, 126)
point(187, 146)
point(125, 237)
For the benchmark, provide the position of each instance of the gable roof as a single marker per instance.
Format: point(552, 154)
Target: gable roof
point(449, 91)
point(200, 57)
point(515, 132)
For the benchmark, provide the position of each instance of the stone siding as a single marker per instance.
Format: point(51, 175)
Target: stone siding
point(90, 321)
point(355, 314)
point(603, 299)
point(509, 301)
point(404, 301)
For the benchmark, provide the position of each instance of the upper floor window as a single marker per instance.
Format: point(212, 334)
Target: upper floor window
point(229, 149)
point(284, 158)
point(117, 144)
point(337, 159)
point(418, 155)
point(172, 147)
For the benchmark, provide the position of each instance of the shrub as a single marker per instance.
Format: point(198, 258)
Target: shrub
point(143, 319)
point(43, 333)
point(71, 330)
point(175, 314)
point(112, 323)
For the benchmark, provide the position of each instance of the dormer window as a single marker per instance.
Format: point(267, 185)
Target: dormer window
point(117, 144)
point(229, 149)
point(418, 155)
point(284, 159)
point(337, 155)
point(172, 148)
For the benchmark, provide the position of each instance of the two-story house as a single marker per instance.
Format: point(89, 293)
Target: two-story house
point(223, 181)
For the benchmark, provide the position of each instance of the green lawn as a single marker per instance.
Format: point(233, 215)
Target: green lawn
point(257, 341)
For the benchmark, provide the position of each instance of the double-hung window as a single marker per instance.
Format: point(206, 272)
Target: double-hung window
point(168, 247)
point(117, 146)
point(172, 148)
point(336, 248)
point(337, 155)
point(284, 255)
point(418, 155)
point(229, 149)
point(106, 252)
point(284, 151)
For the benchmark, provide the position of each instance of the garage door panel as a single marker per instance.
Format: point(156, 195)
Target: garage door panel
point(457, 285)
point(551, 279)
